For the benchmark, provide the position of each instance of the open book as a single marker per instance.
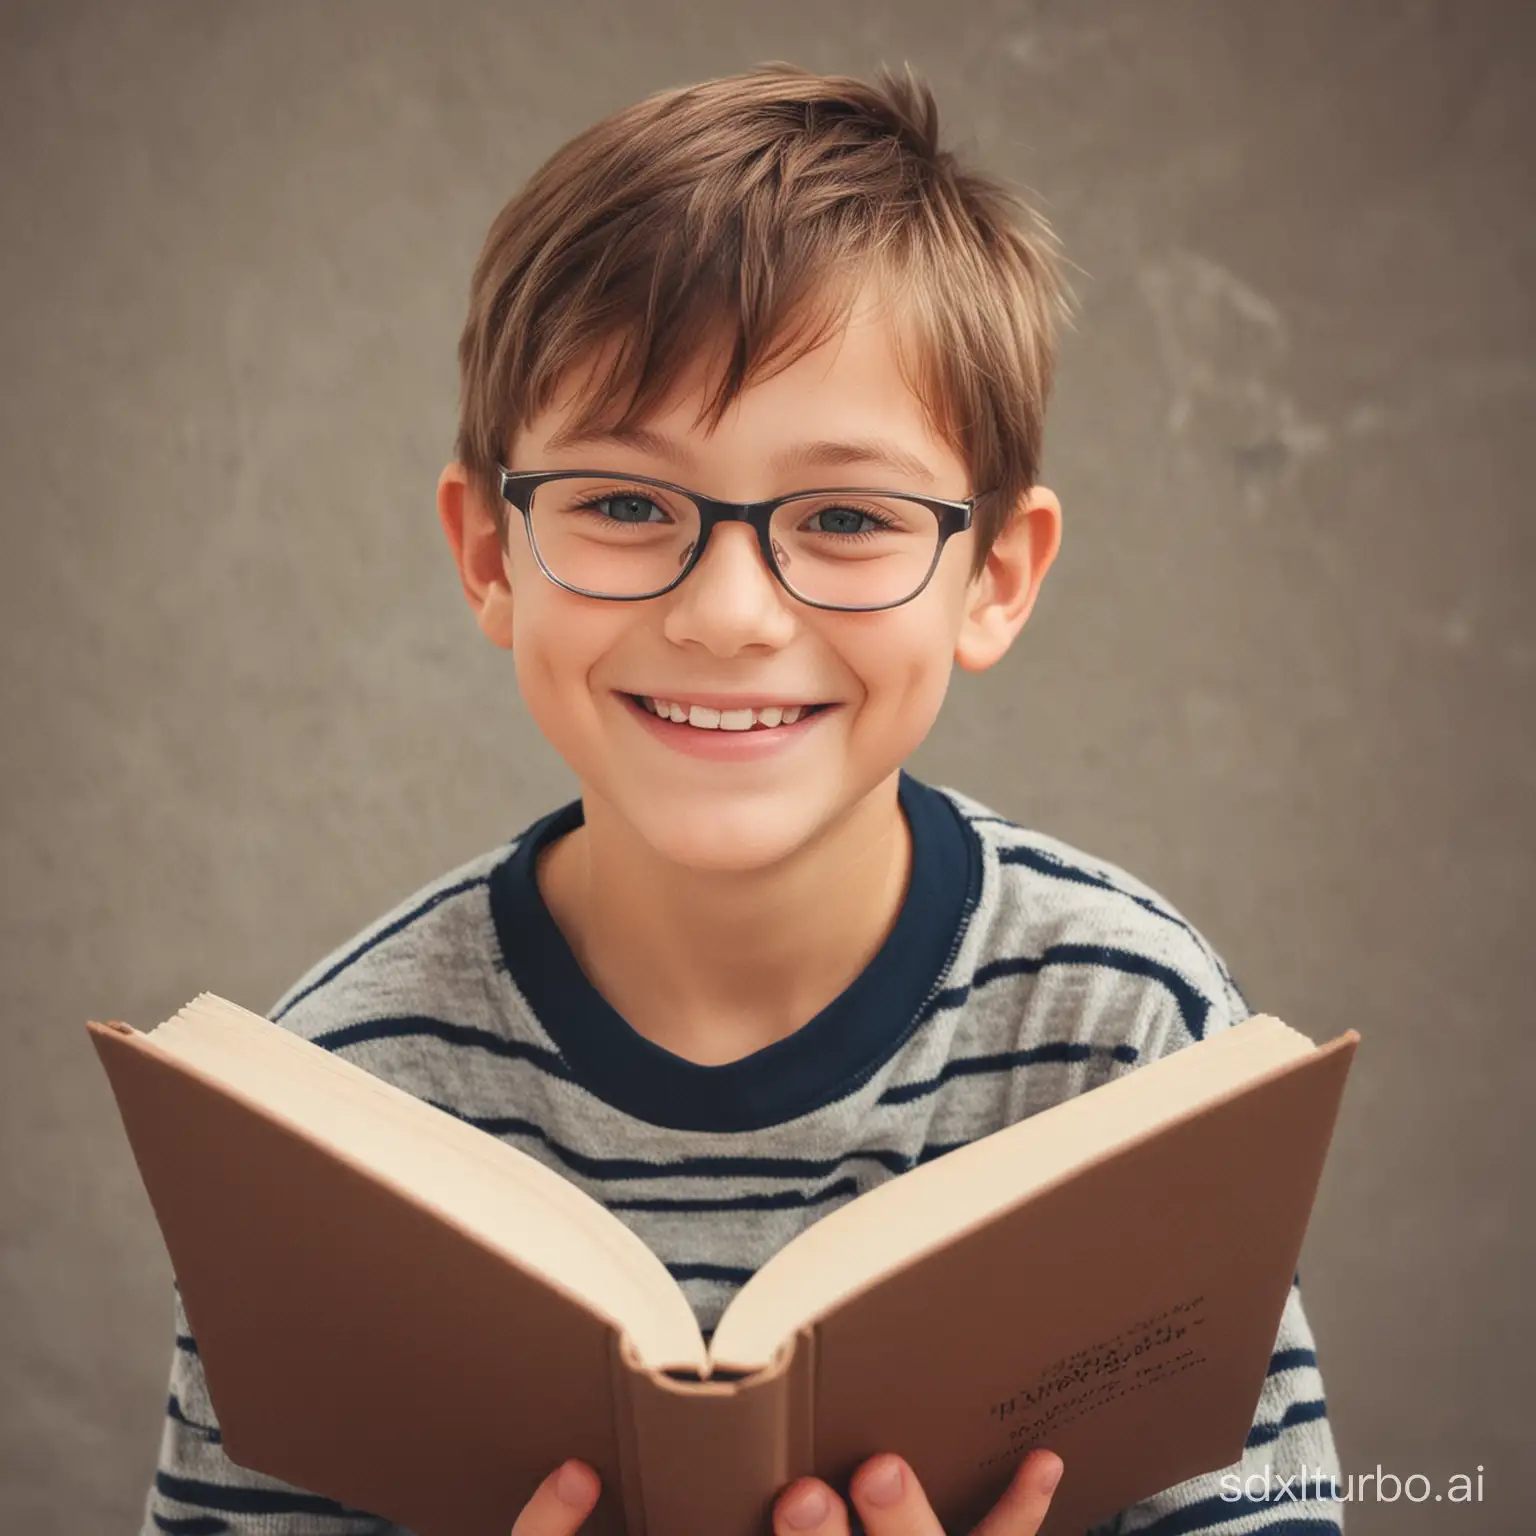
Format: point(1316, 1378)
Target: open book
point(399, 1311)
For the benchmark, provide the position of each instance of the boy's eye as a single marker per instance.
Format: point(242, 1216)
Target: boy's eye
point(842, 519)
point(627, 508)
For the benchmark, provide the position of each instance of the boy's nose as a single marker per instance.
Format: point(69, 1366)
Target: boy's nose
point(731, 599)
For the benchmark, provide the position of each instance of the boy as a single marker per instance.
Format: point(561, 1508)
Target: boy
point(757, 968)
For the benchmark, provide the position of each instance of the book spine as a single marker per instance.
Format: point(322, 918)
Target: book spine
point(708, 1458)
point(631, 1496)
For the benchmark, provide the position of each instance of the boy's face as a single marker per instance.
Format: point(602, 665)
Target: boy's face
point(731, 628)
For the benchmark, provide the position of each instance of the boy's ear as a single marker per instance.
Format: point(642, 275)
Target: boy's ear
point(999, 600)
point(477, 552)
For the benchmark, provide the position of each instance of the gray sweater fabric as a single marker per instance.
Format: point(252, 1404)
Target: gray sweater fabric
point(1020, 972)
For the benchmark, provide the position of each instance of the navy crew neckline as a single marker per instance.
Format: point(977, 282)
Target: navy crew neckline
point(824, 1060)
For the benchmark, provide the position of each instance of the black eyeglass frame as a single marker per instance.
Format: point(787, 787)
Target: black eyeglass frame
point(517, 488)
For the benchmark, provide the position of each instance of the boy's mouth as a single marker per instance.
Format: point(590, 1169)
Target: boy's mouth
point(700, 718)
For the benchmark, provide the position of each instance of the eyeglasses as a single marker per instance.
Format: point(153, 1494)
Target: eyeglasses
point(629, 537)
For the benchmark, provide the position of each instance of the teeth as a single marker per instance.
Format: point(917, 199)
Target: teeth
point(706, 719)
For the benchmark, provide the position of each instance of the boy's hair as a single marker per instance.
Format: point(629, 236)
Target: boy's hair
point(745, 213)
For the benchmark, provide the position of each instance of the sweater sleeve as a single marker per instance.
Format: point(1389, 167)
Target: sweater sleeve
point(199, 1491)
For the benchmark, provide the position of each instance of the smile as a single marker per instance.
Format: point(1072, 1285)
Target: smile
point(700, 717)
point(706, 733)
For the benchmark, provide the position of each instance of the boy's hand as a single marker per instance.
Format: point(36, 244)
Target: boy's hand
point(561, 1502)
point(809, 1508)
point(896, 1506)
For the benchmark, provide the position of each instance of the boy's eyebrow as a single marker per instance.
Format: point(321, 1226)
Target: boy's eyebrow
point(820, 454)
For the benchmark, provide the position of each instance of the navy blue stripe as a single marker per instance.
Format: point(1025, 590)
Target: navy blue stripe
point(729, 1273)
point(1298, 1413)
point(612, 1168)
point(192, 1525)
point(187, 1342)
point(1290, 1360)
point(1004, 1061)
point(788, 1199)
point(606, 1169)
point(389, 931)
point(1194, 1006)
point(209, 1432)
point(1312, 1525)
point(461, 1035)
point(1058, 868)
point(1206, 1513)
point(550, 1062)
point(248, 1501)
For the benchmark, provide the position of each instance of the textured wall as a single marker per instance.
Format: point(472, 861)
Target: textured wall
point(1283, 669)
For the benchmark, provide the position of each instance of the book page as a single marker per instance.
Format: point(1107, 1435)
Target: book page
point(917, 1212)
point(525, 1210)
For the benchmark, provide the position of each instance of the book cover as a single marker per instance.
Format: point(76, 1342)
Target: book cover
point(361, 1343)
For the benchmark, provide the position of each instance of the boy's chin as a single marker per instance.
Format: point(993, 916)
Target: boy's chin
point(729, 832)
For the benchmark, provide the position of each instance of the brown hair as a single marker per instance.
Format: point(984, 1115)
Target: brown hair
point(749, 210)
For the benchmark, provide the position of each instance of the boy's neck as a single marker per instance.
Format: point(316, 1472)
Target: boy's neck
point(715, 967)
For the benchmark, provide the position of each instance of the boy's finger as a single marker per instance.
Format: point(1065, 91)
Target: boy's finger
point(1026, 1499)
point(809, 1508)
point(891, 1501)
point(561, 1502)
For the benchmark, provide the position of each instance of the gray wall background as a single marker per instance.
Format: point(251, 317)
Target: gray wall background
point(1283, 669)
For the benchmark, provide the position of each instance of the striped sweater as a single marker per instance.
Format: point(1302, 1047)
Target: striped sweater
point(1019, 972)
